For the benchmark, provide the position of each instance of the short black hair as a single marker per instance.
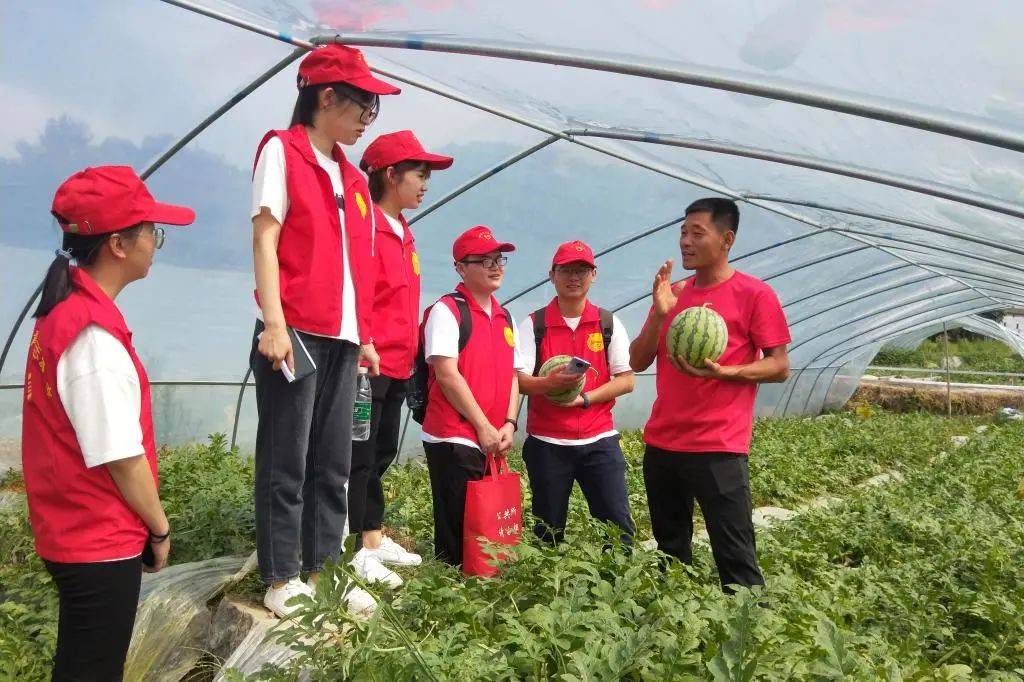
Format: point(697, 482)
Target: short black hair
point(725, 214)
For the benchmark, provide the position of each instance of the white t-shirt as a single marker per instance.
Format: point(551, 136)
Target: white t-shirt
point(270, 189)
point(396, 225)
point(99, 389)
point(618, 362)
point(441, 339)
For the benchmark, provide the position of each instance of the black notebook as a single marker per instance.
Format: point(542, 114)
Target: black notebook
point(304, 365)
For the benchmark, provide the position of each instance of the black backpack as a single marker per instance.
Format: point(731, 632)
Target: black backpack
point(418, 391)
point(540, 328)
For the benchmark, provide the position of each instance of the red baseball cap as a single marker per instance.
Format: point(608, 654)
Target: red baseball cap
point(110, 198)
point(573, 252)
point(477, 241)
point(336, 63)
point(392, 148)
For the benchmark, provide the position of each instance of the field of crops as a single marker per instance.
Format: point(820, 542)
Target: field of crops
point(984, 355)
point(918, 578)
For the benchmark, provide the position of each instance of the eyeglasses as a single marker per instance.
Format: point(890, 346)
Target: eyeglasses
point(158, 236)
point(370, 110)
point(573, 272)
point(496, 262)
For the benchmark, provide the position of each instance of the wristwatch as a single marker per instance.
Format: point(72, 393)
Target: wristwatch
point(513, 422)
point(586, 401)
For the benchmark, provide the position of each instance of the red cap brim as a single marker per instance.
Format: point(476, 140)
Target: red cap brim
point(374, 85)
point(170, 214)
point(434, 161)
point(505, 246)
point(574, 259)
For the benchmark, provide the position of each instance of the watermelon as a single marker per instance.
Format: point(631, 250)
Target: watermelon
point(697, 334)
point(553, 363)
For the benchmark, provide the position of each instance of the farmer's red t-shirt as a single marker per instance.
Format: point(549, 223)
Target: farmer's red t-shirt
point(692, 414)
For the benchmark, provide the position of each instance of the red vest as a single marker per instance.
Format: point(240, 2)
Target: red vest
point(486, 363)
point(396, 298)
point(77, 513)
point(544, 418)
point(309, 252)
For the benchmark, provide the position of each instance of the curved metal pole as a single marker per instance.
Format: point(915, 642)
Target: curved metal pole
point(849, 353)
point(936, 261)
point(860, 296)
point(154, 166)
point(911, 184)
point(814, 386)
point(830, 353)
point(221, 110)
point(845, 283)
point(986, 277)
point(405, 427)
point(929, 249)
point(238, 406)
point(801, 266)
point(240, 23)
point(639, 235)
point(17, 325)
point(928, 295)
point(936, 229)
point(628, 158)
point(831, 99)
point(461, 189)
point(809, 364)
point(1007, 290)
point(968, 128)
point(608, 249)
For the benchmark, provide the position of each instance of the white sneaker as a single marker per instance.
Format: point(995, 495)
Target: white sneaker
point(360, 601)
point(276, 599)
point(390, 552)
point(370, 569)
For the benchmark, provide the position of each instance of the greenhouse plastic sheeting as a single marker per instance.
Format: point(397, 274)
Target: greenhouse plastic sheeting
point(972, 323)
point(856, 262)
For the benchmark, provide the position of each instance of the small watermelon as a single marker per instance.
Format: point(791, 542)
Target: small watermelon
point(697, 334)
point(569, 394)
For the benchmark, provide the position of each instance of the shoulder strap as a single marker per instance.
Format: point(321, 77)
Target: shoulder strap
point(465, 319)
point(607, 328)
point(539, 329)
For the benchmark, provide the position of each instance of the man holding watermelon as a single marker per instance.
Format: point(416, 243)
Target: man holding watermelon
point(569, 421)
point(715, 336)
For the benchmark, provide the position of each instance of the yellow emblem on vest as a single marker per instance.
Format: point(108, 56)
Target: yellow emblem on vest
point(416, 263)
point(595, 342)
point(361, 203)
point(510, 338)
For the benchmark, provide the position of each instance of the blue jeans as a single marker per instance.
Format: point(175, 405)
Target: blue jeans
point(600, 469)
point(303, 456)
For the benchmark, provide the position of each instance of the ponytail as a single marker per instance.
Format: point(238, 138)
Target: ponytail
point(56, 285)
point(81, 248)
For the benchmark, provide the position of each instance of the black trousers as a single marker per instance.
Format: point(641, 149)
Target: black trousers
point(97, 613)
point(720, 483)
point(372, 457)
point(303, 454)
point(600, 469)
point(451, 466)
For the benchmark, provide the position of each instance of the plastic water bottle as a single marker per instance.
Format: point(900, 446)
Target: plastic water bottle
point(361, 407)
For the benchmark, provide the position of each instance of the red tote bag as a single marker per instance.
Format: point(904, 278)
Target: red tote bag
point(493, 513)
